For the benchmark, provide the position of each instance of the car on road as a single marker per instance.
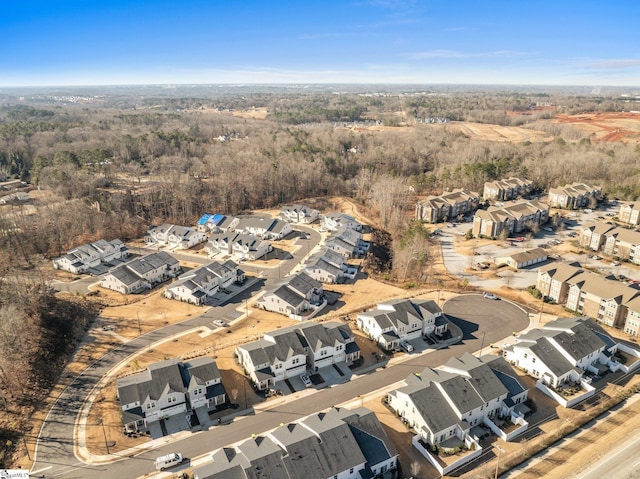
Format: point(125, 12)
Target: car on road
point(219, 322)
point(490, 296)
point(305, 379)
point(169, 460)
point(549, 229)
point(596, 257)
point(615, 263)
point(572, 234)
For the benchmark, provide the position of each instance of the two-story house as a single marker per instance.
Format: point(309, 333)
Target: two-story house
point(402, 320)
point(561, 351)
point(169, 389)
point(263, 227)
point(446, 402)
point(142, 273)
point(200, 284)
point(299, 214)
point(175, 236)
point(335, 221)
point(622, 243)
point(289, 352)
point(298, 294)
point(84, 257)
point(338, 443)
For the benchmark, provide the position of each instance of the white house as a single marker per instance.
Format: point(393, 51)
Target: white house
point(442, 405)
point(332, 444)
point(169, 388)
point(402, 320)
point(299, 214)
point(298, 295)
point(87, 256)
point(562, 350)
point(262, 227)
point(289, 352)
point(200, 284)
point(240, 245)
point(174, 236)
point(142, 273)
point(336, 221)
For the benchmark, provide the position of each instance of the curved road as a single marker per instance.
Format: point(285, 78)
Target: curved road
point(482, 321)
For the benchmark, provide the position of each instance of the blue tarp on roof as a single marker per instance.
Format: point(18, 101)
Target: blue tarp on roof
point(217, 219)
point(204, 219)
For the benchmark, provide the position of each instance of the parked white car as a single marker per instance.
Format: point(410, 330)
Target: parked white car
point(490, 296)
point(306, 380)
point(406, 346)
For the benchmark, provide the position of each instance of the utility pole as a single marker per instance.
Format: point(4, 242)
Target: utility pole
point(139, 328)
point(104, 433)
point(481, 345)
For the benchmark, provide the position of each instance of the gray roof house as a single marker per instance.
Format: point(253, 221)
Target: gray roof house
point(448, 402)
point(142, 273)
point(561, 352)
point(299, 297)
point(299, 214)
point(402, 320)
point(200, 284)
point(337, 443)
point(169, 388)
point(87, 256)
point(288, 352)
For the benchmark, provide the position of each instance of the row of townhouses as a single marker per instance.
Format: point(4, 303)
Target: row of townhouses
point(240, 245)
point(200, 284)
point(289, 352)
point(170, 389)
point(402, 320)
point(446, 405)
point(506, 189)
point(330, 264)
point(87, 256)
point(299, 297)
point(607, 301)
point(612, 240)
point(568, 352)
point(339, 443)
point(509, 219)
point(142, 273)
point(574, 196)
point(260, 226)
point(447, 206)
point(174, 236)
point(300, 214)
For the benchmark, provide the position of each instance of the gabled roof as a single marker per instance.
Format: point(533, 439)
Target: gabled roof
point(561, 272)
point(165, 376)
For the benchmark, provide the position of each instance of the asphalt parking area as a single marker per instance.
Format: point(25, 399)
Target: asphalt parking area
point(480, 317)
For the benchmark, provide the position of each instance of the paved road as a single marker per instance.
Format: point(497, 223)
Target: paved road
point(483, 321)
point(623, 463)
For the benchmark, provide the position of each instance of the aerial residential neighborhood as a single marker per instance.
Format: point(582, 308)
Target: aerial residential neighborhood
point(345, 240)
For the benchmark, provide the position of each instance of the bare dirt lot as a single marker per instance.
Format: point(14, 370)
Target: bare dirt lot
point(606, 126)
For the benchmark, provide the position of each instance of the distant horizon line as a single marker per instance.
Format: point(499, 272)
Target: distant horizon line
point(236, 84)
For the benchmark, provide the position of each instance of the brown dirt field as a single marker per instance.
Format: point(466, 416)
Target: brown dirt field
point(606, 126)
point(487, 132)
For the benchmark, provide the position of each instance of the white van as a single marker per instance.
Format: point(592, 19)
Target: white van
point(169, 460)
point(406, 346)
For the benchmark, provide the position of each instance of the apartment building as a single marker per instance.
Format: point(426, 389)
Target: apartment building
point(447, 206)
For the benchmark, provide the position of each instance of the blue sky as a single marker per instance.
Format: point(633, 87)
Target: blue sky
point(96, 42)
